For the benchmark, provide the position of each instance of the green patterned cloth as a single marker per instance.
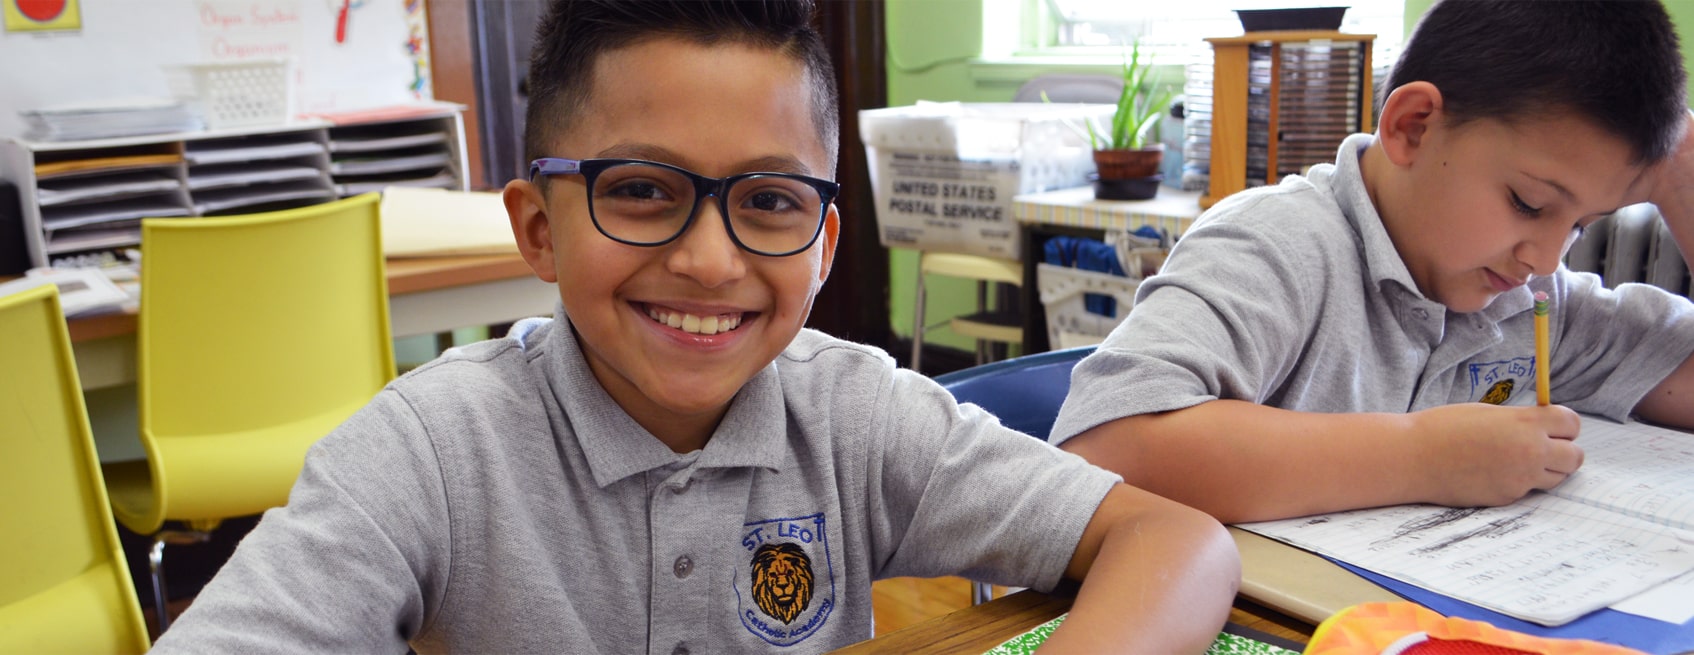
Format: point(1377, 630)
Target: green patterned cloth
point(1226, 644)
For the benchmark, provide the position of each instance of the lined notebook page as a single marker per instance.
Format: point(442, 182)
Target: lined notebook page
point(1543, 559)
point(1635, 469)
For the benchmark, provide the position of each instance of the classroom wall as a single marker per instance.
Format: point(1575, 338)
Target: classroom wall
point(377, 56)
point(934, 53)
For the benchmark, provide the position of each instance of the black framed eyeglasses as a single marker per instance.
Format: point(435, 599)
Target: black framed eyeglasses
point(645, 203)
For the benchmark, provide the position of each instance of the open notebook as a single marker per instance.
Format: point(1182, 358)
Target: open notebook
point(1622, 524)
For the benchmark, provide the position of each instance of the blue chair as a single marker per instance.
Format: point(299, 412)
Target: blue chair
point(1024, 393)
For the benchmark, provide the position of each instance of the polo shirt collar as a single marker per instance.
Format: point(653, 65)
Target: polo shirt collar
point(752, 433)
point(1382, 260)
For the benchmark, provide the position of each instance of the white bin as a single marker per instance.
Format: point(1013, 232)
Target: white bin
point(1069, 323)
point(236, 94)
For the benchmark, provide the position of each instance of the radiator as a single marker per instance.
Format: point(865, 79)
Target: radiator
point(1632, 245)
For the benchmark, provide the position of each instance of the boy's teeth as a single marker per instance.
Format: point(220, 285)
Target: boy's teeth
point(695, 324)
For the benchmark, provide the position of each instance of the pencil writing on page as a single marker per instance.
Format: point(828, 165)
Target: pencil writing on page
point(1542, 350)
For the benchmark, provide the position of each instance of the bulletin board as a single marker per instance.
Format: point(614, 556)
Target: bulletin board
point(347, 55)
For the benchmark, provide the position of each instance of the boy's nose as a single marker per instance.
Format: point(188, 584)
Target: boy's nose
point(706, 252)
point(1543, 252)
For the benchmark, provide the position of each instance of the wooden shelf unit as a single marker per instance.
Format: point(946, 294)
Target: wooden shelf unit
point(1232, 89)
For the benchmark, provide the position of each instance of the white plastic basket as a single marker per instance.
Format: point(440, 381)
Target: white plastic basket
point(1069, 323)
point(236, 94)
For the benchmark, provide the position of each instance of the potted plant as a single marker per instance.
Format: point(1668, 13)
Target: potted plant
point(1126, 156)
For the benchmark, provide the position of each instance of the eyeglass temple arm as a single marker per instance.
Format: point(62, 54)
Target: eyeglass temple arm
point(554, 166)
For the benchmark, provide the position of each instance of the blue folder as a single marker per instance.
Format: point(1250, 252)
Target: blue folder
point(1605, 625)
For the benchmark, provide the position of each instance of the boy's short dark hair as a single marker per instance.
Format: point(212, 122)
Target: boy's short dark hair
point(575, 33)
point(1614, 62)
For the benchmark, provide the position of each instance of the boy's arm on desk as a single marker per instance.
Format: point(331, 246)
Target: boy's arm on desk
point(1671, 403)
point(1241, 461)
point(1156, 577)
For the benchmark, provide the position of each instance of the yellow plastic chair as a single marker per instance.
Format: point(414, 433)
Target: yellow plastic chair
point(65, 587)
point(985, 326)
point(257, 336)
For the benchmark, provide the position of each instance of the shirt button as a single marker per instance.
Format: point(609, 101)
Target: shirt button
point(682, 568)
point(681, 649)
point(1421, 313)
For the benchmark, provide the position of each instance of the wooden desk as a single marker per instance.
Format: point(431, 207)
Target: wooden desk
point(972, 630)
point(978, 628)
point(1075, 212)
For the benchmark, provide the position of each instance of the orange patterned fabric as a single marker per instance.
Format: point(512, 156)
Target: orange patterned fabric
point(1405, 628)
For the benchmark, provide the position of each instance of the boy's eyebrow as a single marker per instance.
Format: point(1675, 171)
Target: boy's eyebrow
point(650, 152)
point(1569, 197)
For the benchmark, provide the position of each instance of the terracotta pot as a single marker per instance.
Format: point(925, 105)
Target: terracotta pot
point(1129, 164)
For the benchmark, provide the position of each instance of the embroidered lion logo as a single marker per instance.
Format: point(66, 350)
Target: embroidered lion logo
point(1498, 393)
point(782, 580)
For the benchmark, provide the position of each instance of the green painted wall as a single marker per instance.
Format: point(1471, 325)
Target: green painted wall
point(934, 53)
point(931, 44)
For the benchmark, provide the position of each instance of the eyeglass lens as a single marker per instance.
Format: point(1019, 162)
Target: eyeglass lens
point(641, 203)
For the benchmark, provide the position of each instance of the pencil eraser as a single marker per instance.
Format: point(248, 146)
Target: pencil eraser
point(1541, 296)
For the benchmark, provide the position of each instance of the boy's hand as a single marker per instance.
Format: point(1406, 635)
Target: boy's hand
point(1487, 455)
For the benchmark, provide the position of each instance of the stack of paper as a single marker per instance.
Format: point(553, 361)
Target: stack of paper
point(109, 119)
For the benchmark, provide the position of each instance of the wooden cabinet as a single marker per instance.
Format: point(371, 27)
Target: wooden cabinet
point(1282, 101)
point(79, 199)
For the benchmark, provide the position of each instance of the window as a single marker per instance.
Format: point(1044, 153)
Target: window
point(1174, 31)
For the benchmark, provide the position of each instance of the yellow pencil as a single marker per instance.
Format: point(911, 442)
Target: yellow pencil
point(1543, 352)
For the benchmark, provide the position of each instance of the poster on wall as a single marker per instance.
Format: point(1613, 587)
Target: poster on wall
point(239, 30)
point(42, 15)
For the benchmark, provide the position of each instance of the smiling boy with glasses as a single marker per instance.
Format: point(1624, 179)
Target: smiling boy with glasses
point(672, 464)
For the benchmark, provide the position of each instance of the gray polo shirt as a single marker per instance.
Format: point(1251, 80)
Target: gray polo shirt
point(1293, 296)
point(497, 500)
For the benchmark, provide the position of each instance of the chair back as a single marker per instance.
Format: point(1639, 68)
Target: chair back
point(65, 587)
point(1023, 392)
point(257, 335)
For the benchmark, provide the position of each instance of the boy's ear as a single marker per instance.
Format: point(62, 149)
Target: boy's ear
point(527, 210)
point(1407, 116)
point(831, 231)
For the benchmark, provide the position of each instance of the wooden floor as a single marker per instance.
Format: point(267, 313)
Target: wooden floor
point(899, 602)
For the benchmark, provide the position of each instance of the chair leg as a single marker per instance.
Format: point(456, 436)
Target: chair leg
point(917, 323)
point(981, 592)
point(982, 356)
point(156, 565)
